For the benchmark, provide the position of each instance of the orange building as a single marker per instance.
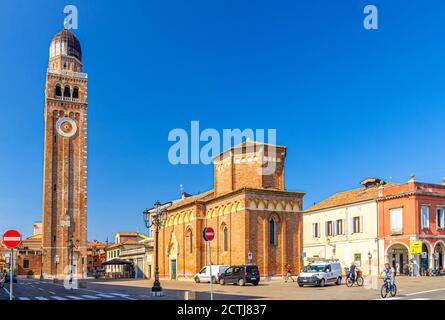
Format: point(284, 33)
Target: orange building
point(409, 212)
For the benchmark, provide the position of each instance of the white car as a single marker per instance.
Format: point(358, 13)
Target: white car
point(204, 274)
point(320, 273)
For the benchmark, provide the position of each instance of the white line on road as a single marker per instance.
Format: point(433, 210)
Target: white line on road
point(118, 294)
point(421, 292)
point(24, 298)
point(89, 297)
point(59, 298)
point(102, 295)
point(75, 297)
point(52, 292)
point(4, 288)
point(41, 298)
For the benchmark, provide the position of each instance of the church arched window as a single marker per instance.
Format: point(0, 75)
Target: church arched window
point(273, 239)
point(76, 93)
point(58, 91)
point(225, 239)
point(67, 92)
point(190, 240)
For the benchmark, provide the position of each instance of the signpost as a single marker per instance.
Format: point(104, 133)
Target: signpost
point(415, 247)
point(208, 234)
point(11, 239)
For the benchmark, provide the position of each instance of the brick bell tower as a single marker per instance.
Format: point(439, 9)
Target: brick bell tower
point(65, 159)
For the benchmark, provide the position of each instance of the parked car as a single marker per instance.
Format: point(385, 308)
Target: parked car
point(8, 276)
point(241, 275)
point(204, 274)
point(320, 273)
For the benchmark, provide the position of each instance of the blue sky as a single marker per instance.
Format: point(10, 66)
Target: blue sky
point(347, 102)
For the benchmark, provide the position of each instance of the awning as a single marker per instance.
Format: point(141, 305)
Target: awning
point(117, 262)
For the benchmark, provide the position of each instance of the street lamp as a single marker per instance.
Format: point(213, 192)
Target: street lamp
point(370, 258)
point(72, 246)
point(41, 264)
point(156, 217)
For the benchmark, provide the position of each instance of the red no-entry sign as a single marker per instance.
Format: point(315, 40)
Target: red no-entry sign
point(208, 234)
point(12, 239)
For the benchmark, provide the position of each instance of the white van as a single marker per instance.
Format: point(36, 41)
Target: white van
point(320, 273)
point(204, 274)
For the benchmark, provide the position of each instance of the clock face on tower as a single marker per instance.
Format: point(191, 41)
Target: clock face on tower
point(66, 127)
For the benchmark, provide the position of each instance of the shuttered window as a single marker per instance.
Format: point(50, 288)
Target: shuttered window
point(396, 220)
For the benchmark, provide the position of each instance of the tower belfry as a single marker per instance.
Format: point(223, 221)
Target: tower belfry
point(64, 204)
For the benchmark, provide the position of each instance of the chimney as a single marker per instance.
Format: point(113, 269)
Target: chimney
point(412, 177)
point(443, 181)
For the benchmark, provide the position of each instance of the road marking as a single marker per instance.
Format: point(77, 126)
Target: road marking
point(59, 298)
point(74, 297)
point(41, 298)
point(41, 289)
point(4, 288)
point(104, 295)
point(119, 294)
point(421, 292)
point(420, 299)
point(52, 292)
point(24, 298)
point(89, 297)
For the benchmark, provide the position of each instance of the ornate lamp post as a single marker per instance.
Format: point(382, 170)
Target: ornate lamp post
point(41, 263)
point(370, 261)
point(72, 246)
point(156, 217)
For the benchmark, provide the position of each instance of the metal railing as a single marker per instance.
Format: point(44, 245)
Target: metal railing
point(67, 99)
point(68, 73)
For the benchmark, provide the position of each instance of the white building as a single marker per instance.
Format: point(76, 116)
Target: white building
point(344, 227)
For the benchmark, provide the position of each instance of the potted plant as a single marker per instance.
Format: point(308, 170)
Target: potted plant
point(30, 274)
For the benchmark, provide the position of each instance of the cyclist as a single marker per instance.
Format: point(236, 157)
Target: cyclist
point(389, 273)
point(352, 272)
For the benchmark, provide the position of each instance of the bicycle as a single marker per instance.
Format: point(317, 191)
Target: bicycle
point(386, 288)
point(358, 279)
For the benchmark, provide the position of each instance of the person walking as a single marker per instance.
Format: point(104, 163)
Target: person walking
point(289, 274)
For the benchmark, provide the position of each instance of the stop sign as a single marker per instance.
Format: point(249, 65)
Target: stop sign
point(208, 234)
point(12, 238)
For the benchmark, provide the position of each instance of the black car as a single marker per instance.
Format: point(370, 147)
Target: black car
point(241, 275)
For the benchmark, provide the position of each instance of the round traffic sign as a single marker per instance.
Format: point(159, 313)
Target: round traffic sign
point(208, 234)
point(12, 238)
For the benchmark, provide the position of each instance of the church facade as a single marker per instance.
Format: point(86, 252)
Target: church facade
point(255, 219)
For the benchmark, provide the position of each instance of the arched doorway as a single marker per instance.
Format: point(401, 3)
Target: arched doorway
point(398, 256)
point(438, 256)
point(424, 258)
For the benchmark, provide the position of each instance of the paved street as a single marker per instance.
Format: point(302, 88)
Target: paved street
point(408, 289)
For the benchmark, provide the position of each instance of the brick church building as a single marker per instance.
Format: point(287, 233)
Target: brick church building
point(249, 209)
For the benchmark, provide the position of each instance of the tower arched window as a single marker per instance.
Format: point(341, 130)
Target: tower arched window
point(273, 239)
point(225, 239)
point(67, 92)
point(76, 93)
point(190, 240)
point(58, 91)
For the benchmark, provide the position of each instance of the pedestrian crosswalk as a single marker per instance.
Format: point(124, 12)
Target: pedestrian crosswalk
point(96, 296)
